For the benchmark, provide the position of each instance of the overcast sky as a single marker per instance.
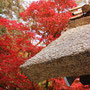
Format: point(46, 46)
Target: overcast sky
point(76, 0)
point(34, 0)
point(30, 0)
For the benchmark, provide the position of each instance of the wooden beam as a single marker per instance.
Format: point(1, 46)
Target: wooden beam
point(75, 17)
point(74, 9)
point(77, 12)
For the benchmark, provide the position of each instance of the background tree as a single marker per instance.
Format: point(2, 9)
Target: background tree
point(11, 8)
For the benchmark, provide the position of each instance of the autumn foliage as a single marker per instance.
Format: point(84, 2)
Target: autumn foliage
point(15, 48)
point(44, 22)
point(48, 19)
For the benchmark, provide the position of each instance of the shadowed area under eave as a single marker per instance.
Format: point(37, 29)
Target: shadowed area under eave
point(69, 55)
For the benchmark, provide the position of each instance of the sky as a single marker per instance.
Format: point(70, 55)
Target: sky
point(34, 0)
point(76, 0)
point(27, 2)
point(30, 0)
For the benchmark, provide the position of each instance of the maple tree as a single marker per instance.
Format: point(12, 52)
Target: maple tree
point(45, 20)
point(15, 48)
point(48, 18)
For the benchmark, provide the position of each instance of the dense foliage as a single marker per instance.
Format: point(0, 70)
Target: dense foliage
point(15, 48)
point(45, 20)
point(48, 19)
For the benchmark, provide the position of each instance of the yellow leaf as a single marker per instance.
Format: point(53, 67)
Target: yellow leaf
point(20, 53)
point(26, 54)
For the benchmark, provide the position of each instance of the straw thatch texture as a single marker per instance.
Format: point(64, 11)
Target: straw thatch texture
point(69, 55)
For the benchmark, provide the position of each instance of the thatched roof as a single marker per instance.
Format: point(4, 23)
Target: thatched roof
point(69, 55)
point(79, 22)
